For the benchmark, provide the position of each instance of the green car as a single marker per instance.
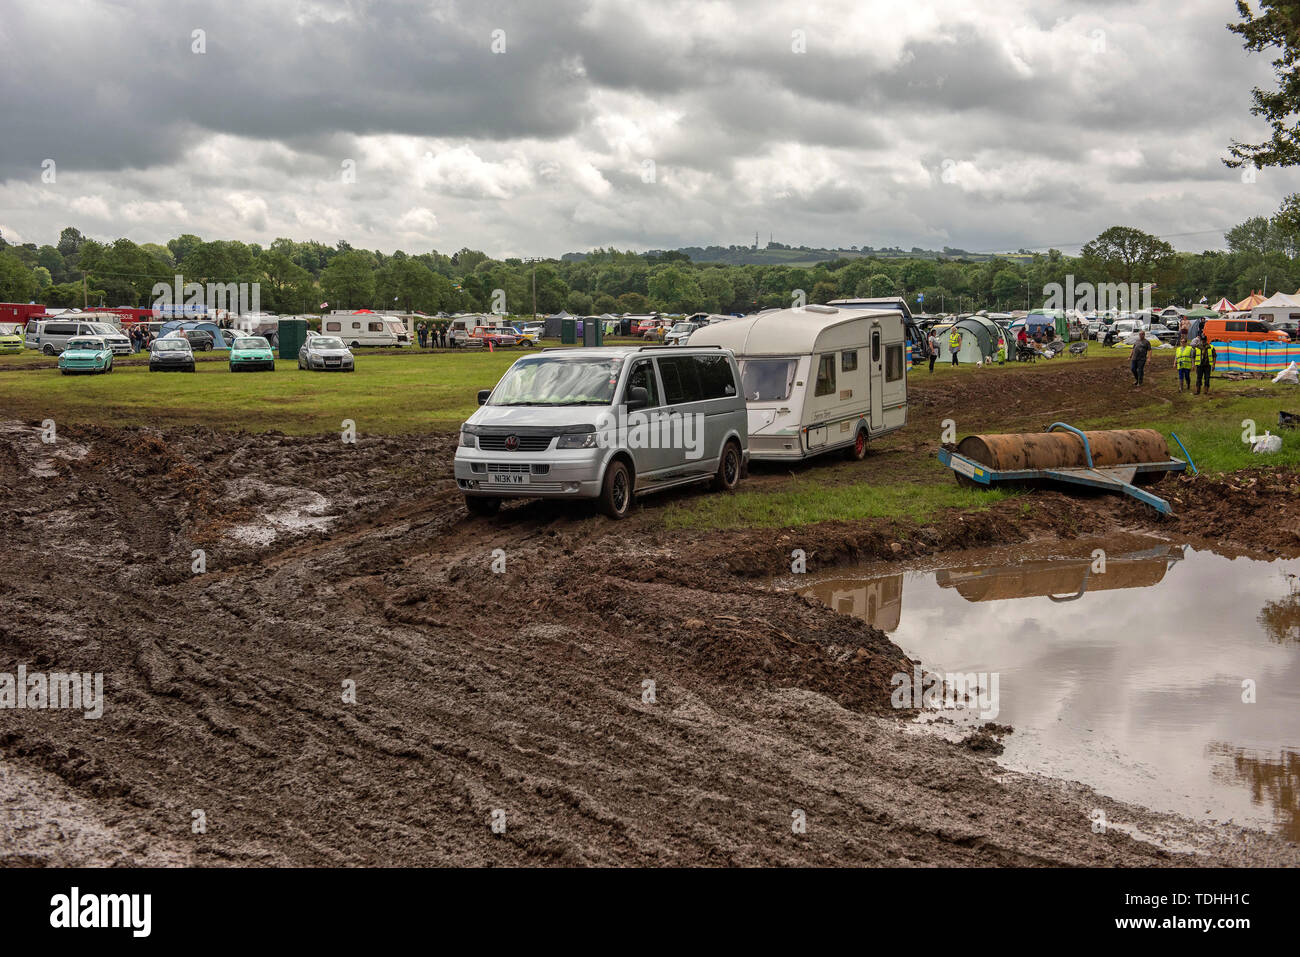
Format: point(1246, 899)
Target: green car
point(251, 352)
point(85, 354)
point(10, 344)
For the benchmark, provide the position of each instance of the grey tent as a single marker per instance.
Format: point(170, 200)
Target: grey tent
point(553, 322)
point(980, 339)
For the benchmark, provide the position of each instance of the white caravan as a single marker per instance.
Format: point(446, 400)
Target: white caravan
point(818, 378)
point(365, 328)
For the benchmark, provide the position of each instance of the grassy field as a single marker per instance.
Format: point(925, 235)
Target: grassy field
point(387, 394)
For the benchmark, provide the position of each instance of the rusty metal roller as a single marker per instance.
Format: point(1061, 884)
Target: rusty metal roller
point(1049, 450)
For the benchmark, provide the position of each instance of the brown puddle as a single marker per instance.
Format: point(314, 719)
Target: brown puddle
point(1129, 680)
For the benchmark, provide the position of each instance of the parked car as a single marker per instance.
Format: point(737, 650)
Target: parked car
point(251, 352)
point(171, 352)
point(10, 341)
point(525, 339)
point(497, 336)
point(680, 333)
point(535, 329)
point(199, 339)
point(51, 336)
point(586, 423)
point(86, 354)
point(324, 353)
point(1241, 330)
point(1290, 326)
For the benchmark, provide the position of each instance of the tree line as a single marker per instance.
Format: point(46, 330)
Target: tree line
point(296, 277)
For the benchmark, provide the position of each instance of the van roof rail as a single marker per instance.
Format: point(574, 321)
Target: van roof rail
point(687, 346)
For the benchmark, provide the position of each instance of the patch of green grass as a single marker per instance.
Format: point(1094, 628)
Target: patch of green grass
point(804, 501)
point(387, 394)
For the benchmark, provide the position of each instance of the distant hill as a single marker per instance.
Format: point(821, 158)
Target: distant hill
point(778, 254)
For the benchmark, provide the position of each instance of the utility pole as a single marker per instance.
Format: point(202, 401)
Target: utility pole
point(534, 261)
point(84, 303)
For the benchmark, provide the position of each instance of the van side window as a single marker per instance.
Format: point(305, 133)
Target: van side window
point(875, 346)
point(1236, 326)
point(643, 377)
point(894, 363)
point(33, 327)
point(681, 380)
point(848, 361)
point(716, 380)
point(825, 376)
point(1256, 327)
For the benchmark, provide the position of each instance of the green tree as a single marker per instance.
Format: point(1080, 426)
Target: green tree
point(1276, 25)
point(1126, 255)
point(17, 282)
point(348, 281)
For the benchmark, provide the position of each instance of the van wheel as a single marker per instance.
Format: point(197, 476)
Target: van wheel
point(478, 505)
point(728, 476)
point(858, 450)
point(616, 492)
point(48, 349)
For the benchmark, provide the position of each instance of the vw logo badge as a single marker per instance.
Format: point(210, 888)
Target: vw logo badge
point(512, 442)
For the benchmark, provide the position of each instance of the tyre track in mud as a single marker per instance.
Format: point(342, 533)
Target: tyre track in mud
point(475, 691)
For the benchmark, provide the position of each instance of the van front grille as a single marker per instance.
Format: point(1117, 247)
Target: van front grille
point(527, 443)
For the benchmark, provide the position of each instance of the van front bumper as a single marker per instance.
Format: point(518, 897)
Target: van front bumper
point(573, 473)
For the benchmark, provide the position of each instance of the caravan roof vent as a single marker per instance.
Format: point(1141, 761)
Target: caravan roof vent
point(826, 309)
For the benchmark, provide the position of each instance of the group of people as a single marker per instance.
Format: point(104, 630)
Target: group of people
point(1199, 354)
point(954, 346)
point(140, 337)
point(431, 335)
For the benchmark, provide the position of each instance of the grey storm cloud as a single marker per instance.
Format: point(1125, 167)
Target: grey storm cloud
point(1055, 119)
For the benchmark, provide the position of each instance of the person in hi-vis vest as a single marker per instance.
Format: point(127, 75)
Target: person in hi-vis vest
point(954, 343)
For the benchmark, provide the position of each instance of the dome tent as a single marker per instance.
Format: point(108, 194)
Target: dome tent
point(980, 339)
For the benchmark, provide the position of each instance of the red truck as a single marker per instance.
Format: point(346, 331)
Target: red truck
point(495, 337)
point(19, 312)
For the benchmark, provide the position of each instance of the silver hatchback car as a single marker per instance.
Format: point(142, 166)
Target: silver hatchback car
point(605, 423)
point(326, 353)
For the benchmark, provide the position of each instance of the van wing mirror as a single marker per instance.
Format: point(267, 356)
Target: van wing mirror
point(638, 397)
point(483, 395)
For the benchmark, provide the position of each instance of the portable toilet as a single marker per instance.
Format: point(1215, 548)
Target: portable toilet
point(568, 332)
point(290, 334)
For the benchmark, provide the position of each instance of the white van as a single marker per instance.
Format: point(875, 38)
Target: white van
point(818, 378)
point(365, 328)
point(607, 423)
point(51, 336)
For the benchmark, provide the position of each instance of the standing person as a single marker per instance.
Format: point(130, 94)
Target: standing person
point(932, 345)
point(1183, 359)
point(421, 332)
point(954, 343)
point(1205, 358)
point(442, 335)
point(1138, 363)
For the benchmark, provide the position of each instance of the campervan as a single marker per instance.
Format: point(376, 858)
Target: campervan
point(818, 378)
point(366, 328)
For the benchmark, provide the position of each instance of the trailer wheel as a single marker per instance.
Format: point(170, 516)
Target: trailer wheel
point(858, 450)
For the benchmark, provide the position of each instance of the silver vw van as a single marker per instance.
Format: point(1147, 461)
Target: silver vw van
point(605, 423)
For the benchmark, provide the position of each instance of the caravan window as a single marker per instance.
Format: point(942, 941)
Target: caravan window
point(894, 363)
point(848, 361)
point(825, 376)
point(375, 327)
point(333, 327)
point(768, 380)
point(875, 347)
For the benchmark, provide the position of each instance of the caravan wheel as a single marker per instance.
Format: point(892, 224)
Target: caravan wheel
point(858, 450)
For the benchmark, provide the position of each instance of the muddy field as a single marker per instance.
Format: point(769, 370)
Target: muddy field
point(518, 696)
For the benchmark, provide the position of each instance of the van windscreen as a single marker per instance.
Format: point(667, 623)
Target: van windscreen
point(767, 380)
point(556, 380)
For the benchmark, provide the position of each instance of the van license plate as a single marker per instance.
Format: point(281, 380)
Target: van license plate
point(508, 478)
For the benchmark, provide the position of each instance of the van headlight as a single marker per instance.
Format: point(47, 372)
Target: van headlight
point(467, 440)
point(577, 440)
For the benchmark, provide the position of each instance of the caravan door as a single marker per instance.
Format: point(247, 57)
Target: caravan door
point(877, 364)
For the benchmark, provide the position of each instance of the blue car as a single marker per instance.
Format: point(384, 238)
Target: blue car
point(85, 354)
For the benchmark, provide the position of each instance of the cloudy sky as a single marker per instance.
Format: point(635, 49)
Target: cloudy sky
point(537, 128)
